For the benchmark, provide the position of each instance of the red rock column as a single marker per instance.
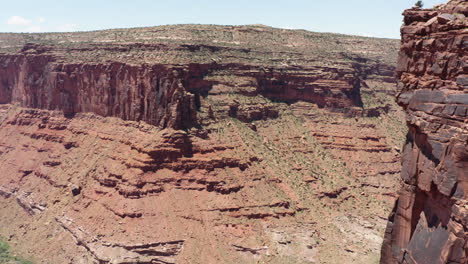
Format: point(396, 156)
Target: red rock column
point(429, 223)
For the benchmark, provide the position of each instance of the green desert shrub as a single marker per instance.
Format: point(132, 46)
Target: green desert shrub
point(7, 258)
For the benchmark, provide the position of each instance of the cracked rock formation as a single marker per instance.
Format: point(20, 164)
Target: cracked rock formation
point(429, 223)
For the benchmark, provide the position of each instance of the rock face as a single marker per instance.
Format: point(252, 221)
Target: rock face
point(197, 144)
point(96, 78)
point(429, 223)
point(155, 94)
point(162, 95)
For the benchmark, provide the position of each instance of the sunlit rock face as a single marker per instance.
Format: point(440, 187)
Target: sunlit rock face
point(430, 219)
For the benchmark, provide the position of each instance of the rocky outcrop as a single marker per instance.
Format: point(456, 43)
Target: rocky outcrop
point(429, 223)
point(155, 94)
point(117, 253)
point(161, 95)
point(170, 95)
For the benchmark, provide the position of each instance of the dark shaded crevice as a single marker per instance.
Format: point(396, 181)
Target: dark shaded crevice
point(421, 140)
point(197, 100)
point(420, 199)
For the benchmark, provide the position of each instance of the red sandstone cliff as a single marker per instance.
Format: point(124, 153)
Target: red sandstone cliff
point(248, 144)
point(95, 78)
point(155, 94)
point(160, 94)
point(430, 220)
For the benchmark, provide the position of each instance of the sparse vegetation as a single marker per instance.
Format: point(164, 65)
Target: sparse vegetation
point(419, 4)
point(6, 257)
point(300, 156)
point(228, 44)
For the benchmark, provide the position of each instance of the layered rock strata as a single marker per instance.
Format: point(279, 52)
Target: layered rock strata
point(163, 95)
point(135, 81)
point(197, 144)
point(429, 223)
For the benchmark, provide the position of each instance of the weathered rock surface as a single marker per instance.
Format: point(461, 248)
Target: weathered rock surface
point(162, 95)
point(429, 223)
point(197, 144)
point(75, 77)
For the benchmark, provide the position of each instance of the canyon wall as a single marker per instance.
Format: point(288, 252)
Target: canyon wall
point(197, 144)
point(429, 223)
point(154, 94)
point(168, 95)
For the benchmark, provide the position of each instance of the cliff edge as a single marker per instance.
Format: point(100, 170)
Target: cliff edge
point(429, 223)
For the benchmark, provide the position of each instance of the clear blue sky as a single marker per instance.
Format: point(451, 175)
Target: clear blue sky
point(378, 18)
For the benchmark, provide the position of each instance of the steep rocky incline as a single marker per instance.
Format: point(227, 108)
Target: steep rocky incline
point(197, 144)
point(429, 223)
